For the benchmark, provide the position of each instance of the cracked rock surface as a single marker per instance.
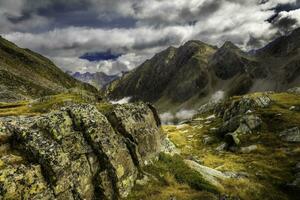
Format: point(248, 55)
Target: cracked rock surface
point(77, 152)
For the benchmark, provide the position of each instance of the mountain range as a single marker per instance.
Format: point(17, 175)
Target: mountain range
point(188, 76)
point(97, 79)
point(25, 74)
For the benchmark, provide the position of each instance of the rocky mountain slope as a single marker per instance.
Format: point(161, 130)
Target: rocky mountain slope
point(190, 75)
point(98, 79)
point(77, 152)
point(25, 74)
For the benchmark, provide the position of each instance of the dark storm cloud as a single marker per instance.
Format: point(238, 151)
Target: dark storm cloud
point(19, 19)
point(287, 6)
point(285, 24)
point(285, 18)
point(66, 13)
point(283, 7)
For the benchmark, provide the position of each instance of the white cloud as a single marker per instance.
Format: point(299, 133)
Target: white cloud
point(159, 24)
point(170, 118)
point(122, 101)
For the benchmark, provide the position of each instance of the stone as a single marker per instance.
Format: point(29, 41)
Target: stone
point(102, 137)
point(291, 135)
point(5, 134)
point(252, 121)
point(248, 112)
point(237, 175)
point(248, 149)
point(208, 140)
point(137, 123)
point(212, 176)
point(295, 90)
point(24, 182)
point(263, 101)
point(222, 147)
point(211, 117)
point(229, 126)
point(243, 105)
point(294, 108)
point(248, 123)
point(143, 181)
point(169, 147)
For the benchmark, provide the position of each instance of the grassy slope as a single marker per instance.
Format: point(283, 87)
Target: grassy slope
point(28, 73)
point(269, 168)
point(48, 103)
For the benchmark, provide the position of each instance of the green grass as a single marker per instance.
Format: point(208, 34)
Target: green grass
point(269, 168)
point(46, 104)
point(175, 166)
point(170, 177)
point(104, 107)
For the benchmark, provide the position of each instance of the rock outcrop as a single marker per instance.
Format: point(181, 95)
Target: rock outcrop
point(238, 118)
point(77, 152)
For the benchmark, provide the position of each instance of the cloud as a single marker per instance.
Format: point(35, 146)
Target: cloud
point(217, 96)
point(122, 101)
point(171, 118)
point(185, 114)
point(167, 118)
point(137, 29)
point(287, 21)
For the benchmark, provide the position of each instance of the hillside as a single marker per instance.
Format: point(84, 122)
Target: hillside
point(246, 146)
point(188, 76)
point(25, 74)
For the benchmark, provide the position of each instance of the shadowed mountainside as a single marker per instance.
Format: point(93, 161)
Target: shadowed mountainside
point(25, 74)
point(190, 75)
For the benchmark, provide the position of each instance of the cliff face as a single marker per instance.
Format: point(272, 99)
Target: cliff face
point(77, 152)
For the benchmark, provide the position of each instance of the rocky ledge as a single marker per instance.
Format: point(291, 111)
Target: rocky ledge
point(77, 152)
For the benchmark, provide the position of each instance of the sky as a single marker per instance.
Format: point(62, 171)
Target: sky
point(112, 36)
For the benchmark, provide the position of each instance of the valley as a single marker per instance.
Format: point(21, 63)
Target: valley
point(194, 122)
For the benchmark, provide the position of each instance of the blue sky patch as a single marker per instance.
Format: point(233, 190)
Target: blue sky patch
point(100, 56)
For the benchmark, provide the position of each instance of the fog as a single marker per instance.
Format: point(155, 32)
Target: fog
point(122, 101)
point(173, 118)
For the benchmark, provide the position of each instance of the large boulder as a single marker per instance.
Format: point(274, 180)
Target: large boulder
point(212, 176)
point(139, 125)
point(78, 152)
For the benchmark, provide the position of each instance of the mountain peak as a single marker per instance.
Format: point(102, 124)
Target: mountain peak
point(229, 45)
point(192, 43)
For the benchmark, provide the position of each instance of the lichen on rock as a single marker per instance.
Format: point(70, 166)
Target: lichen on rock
point(77, 152)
